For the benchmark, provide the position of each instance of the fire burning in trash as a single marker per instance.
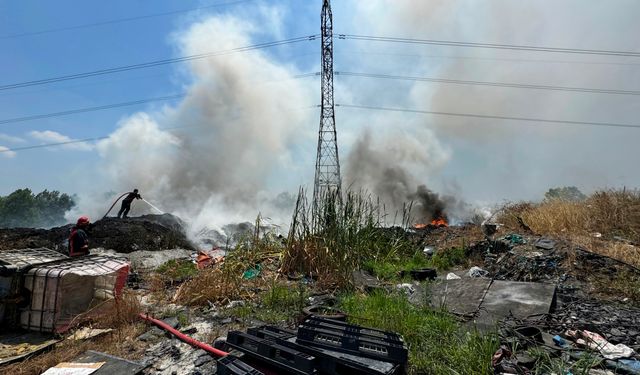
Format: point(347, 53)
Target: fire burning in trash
point(439, 221)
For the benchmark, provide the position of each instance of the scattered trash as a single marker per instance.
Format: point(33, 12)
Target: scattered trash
point(252, 273)
point(87, 333)
point(406, 288)
point(476, 271)
point(596, 342)
point(559, 341)
point(514, 239)
point(326, 312)
point(452, 276)
point(596, 234)
point(72, 368)
point(423, 274)
point(428, 251)
point(545, 244)
point(207, 258)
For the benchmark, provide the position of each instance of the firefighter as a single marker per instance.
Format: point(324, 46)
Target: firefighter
point(126, 203)
point(79, 240)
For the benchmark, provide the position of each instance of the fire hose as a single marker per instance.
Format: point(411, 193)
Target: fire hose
point(114, 203)
point(183, 337)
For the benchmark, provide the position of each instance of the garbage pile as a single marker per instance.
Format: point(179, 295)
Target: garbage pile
point(148, 232)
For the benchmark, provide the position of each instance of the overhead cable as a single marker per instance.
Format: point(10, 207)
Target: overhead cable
point(486, 83)
point(119, 20)
point(493, 117)
point(90, 109)
point(488, 45)
point(156, 63)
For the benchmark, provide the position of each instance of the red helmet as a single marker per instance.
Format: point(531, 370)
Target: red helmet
point(83, 220)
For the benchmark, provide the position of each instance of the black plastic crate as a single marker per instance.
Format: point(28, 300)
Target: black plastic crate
point(331, 362)
point(271, 353)
point(273, 332)
point(353, 329)
point(231, 365)
point(353, 343)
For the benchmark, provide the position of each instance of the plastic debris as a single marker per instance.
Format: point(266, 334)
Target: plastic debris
point(252, 273)
point(428, 251)
point(596, 234)
point(559, 341)
point(515, 239)
point(406, 288)
point(452, 276)
point(476, 271)
point(545, 244)
point(595, 341)
point(87, 333)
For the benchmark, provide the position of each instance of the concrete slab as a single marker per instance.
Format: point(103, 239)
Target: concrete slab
point(521, 299)
point(461, 296)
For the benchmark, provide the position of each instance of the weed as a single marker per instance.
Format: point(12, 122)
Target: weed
point(177, 270)
point(393, 269)
point(341, 235)
point(183, 319)
point(545, 364)
point(447, 258)
point(280, 303)
point(436, 343)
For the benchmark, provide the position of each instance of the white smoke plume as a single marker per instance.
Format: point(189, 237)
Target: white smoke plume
point(209, 159)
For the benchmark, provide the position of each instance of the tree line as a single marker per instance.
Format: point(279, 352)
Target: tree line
point(23, 208)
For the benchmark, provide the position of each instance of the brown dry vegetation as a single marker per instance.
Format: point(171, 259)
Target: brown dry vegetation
point(610, 213)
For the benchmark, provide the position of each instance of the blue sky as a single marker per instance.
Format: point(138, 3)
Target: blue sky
point(477, 159)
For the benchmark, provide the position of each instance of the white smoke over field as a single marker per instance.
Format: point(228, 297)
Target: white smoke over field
point(238, 141)
point(209, 159)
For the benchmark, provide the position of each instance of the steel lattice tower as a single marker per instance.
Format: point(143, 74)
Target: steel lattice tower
point(327, 162)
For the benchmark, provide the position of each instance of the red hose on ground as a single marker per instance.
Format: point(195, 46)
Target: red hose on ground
point(183, 337)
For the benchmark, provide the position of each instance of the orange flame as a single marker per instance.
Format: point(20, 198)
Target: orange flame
point(439, 222)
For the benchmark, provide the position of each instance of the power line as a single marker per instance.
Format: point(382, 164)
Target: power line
point(156, 63)
point(119, 20)
point(423, 56)
point(45, 145)
point(14, 149)
point(493, 84)
point(493, 117)
point(488, 45)
point(90, 109)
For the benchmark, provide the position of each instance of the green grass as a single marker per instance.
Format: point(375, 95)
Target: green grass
point(437, 344)
point(281, 303)
point(177, 270)
point(390, 269)
point(545, 364)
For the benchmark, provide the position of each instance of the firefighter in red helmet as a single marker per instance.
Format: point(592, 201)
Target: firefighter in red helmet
point(79, 240)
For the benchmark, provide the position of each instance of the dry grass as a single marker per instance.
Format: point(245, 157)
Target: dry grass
point(612, 212)
point(614, 249)
point(120, 315)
